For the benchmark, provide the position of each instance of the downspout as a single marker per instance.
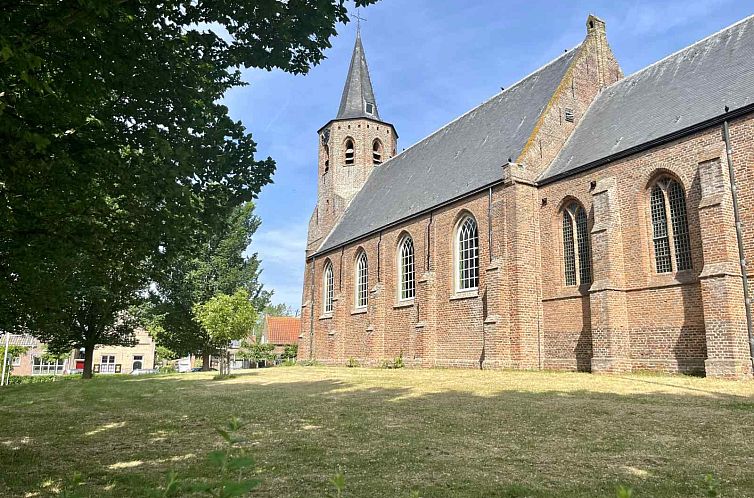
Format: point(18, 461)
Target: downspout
point(489, 223)
point(739, 238)
point(311, 313)
point(427, 243)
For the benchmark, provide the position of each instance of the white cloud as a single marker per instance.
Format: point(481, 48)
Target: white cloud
point(282, 252)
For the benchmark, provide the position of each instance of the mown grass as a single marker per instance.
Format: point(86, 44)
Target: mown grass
point(440, 432)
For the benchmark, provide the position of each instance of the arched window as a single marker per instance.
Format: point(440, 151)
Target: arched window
point(575, 222)
point(406, 274)
point(467, 254)
point(349, 152)
point(362, 280)
point(667, 195)
point(377, 152)
point(328, 288)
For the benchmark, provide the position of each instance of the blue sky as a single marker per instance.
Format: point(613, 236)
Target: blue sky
point(431, 61)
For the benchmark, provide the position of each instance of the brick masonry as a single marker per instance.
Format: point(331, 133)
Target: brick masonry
point(524, 316)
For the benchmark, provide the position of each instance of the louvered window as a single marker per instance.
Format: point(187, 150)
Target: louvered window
point(349, 152)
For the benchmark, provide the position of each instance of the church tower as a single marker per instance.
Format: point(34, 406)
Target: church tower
point(350, 147)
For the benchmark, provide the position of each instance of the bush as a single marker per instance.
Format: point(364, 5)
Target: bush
point(396, 362)
point(38, 379)
point(352, 363)
point(289, 363)
point(309, 363)
point(290, 352)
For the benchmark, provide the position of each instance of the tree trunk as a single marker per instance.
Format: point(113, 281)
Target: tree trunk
point(88, 361)
point(205, 360)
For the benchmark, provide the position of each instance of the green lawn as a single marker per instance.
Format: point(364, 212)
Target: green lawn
point(440, 432)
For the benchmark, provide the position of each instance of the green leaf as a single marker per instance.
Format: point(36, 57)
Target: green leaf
point(241, 462)
point(216, 458)
point(240, 488)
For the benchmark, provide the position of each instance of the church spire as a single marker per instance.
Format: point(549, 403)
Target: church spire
point(358, 96)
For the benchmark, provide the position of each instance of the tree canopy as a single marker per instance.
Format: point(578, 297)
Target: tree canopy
point(117, 153)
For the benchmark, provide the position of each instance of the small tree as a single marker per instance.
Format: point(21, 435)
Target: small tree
point(290, 352)
point(226, 318)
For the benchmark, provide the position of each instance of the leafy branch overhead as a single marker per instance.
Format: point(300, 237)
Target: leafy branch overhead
point(118, 155)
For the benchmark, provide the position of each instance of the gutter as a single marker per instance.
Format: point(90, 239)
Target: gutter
point(717, 120)
point(739, 239)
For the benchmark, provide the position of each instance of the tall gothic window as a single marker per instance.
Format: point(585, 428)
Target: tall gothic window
point(349, 152)
point(667, 195)
point(467, 254)
point(406, 274)
point(578, 250)
point(362, 280)
point(328, 288)
point(377, 152)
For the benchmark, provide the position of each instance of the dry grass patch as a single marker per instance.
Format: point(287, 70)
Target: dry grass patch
point(441, 432)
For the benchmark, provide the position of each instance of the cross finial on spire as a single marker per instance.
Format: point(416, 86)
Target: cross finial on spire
point(358, 21)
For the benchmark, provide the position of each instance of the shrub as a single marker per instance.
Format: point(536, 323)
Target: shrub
point(309, 363)
point(396, 362)
point(38, 379)
point(352, 363)
point(290, 352)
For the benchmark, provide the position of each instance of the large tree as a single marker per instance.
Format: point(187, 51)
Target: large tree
point(116, 152)
point(220, 265)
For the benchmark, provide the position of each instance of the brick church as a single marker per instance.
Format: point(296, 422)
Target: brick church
point(577, 220)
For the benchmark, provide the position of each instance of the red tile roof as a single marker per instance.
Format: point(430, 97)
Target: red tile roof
point(283, 329)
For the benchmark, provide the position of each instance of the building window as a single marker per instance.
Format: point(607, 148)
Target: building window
point(578, 250)
point(44, 366)
point(467, 254)
point(328, 290)
point(369, 107)
point(406, 274)
point(377, 152)
point(327, 158)
point(138, 363)
point(362, 280)
point(107, 364)
point(16, 361)
point(349, 152)
point(667, 195)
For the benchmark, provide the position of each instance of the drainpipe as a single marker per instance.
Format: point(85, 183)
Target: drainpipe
point(739, 238)
point(489, 223)
point(5, 358)
point(311, 312)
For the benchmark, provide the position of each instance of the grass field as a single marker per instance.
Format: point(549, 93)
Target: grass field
point(391, 432)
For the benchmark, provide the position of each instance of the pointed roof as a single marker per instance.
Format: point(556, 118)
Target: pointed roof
point(461, 157)
point(358, 90)
point(679, 92)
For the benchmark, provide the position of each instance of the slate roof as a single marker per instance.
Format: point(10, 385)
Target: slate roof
point(282, 329)
point(358, 89)
point(465, 155)
point(682, 90)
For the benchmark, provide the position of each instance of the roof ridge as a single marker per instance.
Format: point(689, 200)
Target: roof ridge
point(638, 72)
point(458, 118)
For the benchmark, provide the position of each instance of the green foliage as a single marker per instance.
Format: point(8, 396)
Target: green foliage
point(624, 492)
point(257, 352)
point(232, 464)
point(14, 351)
point(396, 362)
point(226, 317)
point(339, 483)
point(711, 485)
point(38, 379)
point(218, 266)
point(119, 157)
point(352, 363)
point(290, 352)
point(165, 354)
